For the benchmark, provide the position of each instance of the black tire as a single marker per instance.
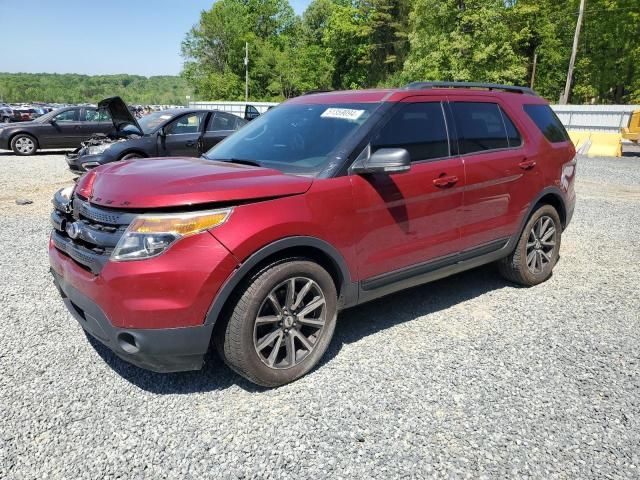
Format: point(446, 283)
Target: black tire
point(517, 267)
point(237, 339)
point(24, 144)
point(129, 156)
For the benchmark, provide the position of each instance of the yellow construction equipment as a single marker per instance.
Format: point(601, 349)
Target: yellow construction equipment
point(632, 131)
point(597, 144)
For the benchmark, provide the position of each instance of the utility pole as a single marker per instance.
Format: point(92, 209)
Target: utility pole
point(246, 71)
point(533, 70)
point(574, 51)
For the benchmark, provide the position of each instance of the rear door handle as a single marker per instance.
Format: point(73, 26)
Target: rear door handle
point(527, 164)
point(445, 181)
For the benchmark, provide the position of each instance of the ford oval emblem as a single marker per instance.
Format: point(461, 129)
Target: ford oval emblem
point(73, 230)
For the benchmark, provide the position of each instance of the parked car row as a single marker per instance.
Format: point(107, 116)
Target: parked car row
point(21, 113)
point(110, 131)
point(327, 201)
point(27, 112)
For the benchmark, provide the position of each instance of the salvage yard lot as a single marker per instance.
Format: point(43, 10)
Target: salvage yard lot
point(466, 376)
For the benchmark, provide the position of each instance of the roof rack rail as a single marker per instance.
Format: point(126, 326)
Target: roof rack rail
point(311, 92)
point(488, 86)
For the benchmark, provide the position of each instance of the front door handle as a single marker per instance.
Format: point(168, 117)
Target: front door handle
point(445, 181)
point(527, 164)
point(190, 143)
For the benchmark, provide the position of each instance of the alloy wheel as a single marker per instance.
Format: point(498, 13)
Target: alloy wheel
point(25, 145)
point(540, 244)
point(289, 323)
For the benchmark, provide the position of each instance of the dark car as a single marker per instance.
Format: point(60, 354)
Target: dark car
point(6, 113)
point(62, 128)
point(326, 202)
point(178, 132)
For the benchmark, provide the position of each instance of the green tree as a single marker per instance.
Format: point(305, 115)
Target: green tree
point(464, 40)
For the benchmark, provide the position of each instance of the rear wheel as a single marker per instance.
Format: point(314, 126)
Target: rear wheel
point(23, 144)
point(537, 250)
point(281, 324)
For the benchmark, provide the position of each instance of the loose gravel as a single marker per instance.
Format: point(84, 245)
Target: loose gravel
point(468, 377)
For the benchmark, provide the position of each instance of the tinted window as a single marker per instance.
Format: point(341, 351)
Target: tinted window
point(548, 123)
point(186, 124)
point(68, 116)
point(250, 112)
point(221, 121)
point(93, 115)
point(479, 126)
point(418, 127)
point(513, 135)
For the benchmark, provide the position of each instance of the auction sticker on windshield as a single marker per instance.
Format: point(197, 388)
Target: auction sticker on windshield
point(343, 113)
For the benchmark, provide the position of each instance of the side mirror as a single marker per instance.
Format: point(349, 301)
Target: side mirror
point(162, 133)
point(384, 160)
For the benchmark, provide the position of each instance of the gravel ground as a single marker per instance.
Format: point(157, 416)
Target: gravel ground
point(466, 377)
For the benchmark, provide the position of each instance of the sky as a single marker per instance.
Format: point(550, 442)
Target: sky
point(97, 37)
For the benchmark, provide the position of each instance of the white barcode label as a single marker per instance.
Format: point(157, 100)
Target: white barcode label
point(344, 113)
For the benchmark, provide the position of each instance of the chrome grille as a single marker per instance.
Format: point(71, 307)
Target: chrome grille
point(96, 231)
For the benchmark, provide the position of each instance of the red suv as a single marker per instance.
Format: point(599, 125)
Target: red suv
point(327, 201)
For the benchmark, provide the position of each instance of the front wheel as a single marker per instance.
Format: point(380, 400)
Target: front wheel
point(537, 251)
point(23, 144)
point(130, 156)
point(281, 324)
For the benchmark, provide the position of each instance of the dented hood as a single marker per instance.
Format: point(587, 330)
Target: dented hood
point(174, 182)
point(120, 114)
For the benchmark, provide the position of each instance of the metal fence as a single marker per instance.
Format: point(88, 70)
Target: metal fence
point(237, 108)
point(599, 118)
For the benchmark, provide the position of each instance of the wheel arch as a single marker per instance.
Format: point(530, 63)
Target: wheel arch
point(137, 151)
point(23, 132)
point(550, 196)
point(300, 246)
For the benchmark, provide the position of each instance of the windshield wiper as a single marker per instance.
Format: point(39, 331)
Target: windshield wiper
point(241, 161)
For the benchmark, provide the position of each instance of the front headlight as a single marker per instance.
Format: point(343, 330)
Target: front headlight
point(66, 193)
point(150, 235)
point(97, 149)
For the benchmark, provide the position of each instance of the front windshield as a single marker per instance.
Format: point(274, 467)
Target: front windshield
point(294, 138)
point(150, 123)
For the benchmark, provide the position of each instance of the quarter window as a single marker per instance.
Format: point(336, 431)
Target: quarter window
point(480, 126)
point(418, 127)
point(548, 123)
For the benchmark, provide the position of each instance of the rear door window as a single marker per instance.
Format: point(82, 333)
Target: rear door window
point(94, 115)
point(480, 126)
point(548, 123)
point(513, 135)
point(221, 121)
point(420, 128)
point(67, 116)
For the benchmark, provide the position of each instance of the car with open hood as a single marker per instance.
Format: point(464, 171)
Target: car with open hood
point(61, 128)
point(177, 132)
